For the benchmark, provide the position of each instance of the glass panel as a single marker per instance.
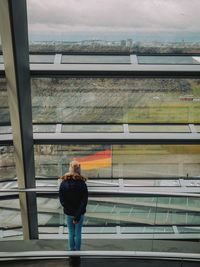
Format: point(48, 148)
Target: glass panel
point(7, 164)
point(49, 212)
point(121, 161)
point(160, 128)
point(41, 58)
point(115, 100)
point(5, 129)
point(198, 128)
point(159, 161)
point(10, 220)
point(94, 59)
point(44, 128)
point(189, 230)
point(4, 110)
point(112, 27)
point(1, 59)
point(105, 213)
point(92, 128)
point(53, 160)
point(147, 230)
point(168, 60)
point(152, 182)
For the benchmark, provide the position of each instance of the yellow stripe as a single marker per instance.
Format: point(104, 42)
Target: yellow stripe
point(96, 164)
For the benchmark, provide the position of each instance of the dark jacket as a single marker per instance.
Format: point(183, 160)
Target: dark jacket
point(73, 196)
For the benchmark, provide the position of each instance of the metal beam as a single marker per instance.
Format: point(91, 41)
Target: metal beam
point(116, 138)
point(118, 70)
point(114, 70)
point(109, 138)
point(14, 35)
point(98, 254)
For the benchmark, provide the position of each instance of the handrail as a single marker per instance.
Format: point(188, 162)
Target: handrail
point(98, 254)
point(113, 192)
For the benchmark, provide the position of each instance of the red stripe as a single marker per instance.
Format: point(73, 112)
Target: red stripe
point(98, 155)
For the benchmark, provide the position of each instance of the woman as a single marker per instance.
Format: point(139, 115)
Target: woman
point(73, 196)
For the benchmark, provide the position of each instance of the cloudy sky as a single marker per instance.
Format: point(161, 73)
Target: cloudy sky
point(73, 16)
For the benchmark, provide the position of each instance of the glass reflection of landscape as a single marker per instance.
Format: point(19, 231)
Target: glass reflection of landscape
point(115, 100)
point(120, 161)
point(129, 212)
point(7, 163)
point(4, 110)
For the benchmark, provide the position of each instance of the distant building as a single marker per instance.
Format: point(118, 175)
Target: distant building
point(129, 42)
point(123, 42)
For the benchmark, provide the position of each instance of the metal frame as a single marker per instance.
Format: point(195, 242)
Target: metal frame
point(108, 138)
point(98, 254)
point(13, 26)
point(114, 70)
point(14, 33)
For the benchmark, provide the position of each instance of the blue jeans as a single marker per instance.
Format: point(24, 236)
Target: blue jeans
point(75, 231)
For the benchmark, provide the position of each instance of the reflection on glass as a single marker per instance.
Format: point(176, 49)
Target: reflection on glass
point(7, 163)
point(121, 161)
point(92, 128)
point(10, 220)
point(159, 161)
point(41, 58)
point(1, 59)
point(147, 230)
point(159, 128)
point(198, 128)
point(126, 212)
point(115, 100)
point(189, 230)
point(5, 129)
point(49, 211)
point(44, 128)
point(53, 160)
point(151, 182)
point(94, 59)
point(169, 60)
point(4, 110)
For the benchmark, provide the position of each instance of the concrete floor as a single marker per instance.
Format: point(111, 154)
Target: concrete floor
point(181, 246)
point(99, 245)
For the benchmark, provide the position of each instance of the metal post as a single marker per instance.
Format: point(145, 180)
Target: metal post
point(14, 36)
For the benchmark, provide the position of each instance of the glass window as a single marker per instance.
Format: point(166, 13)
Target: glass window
point(121, 161)
point(92, 128)
point(115, 100)
point(10, 220)
point(1, 59)
point(151, 182)
point(5, 129)
point(50, 214)
point(41, 58)
point(95, 59)
point(53, 160)
point(4, 110)
point(7, 164)
point(169, 60)
point(122, 211)
point(161, 161)
point(44, 128)
point(159, 128)
point(111, 27)
point(198, 128)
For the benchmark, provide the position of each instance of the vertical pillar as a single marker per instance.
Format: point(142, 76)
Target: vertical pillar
point(14, 37)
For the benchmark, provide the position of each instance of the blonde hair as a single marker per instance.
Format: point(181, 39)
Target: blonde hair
point(75, 167)
point(74, 172)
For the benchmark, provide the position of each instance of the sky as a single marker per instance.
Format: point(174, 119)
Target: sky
point(62, 17)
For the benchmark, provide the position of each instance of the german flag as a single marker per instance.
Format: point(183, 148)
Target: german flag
point(100, 159)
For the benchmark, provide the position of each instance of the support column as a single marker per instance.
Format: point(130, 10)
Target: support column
point(14, 36)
